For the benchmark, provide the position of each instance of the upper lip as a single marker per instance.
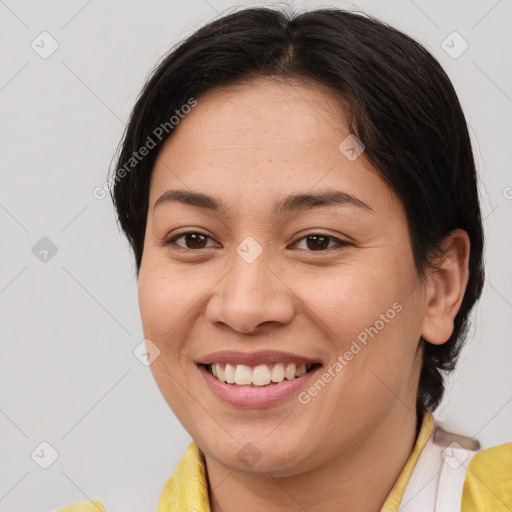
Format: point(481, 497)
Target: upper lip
point(254, 358)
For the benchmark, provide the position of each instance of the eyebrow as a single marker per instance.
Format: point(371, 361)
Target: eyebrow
point(290, 204)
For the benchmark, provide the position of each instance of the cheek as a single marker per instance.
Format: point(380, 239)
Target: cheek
point(165, 303)
point(163, 297)
point(350, 300)
point(380, 367)
point(171, 304)
point(154, 303)
point(372, 321)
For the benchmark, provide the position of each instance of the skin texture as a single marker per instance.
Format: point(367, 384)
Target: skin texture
point(251, 145)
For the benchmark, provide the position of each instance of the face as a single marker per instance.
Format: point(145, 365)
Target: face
point(263, 280)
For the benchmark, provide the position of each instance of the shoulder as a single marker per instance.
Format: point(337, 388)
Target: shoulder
point(188, 484)
point(488, 482)
point(84, 506)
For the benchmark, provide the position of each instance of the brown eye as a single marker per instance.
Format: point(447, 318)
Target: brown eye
point(319, 242)
point(193, 240)
point(315, 242)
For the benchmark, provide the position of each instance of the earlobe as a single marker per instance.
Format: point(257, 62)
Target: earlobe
point(445, 288)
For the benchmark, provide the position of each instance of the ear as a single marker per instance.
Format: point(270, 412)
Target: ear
point(445, 288)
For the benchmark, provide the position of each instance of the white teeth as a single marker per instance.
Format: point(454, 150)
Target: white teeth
point(229, 373)
point(277, 373)
point(261, 375)
point(220, 373)
point(289, 373)
point(243, 374)
point(301, 370)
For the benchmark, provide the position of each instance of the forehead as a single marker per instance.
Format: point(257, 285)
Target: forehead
point(266, 137)
point(263, 114)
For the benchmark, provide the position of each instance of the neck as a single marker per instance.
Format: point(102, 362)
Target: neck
point(357, 481)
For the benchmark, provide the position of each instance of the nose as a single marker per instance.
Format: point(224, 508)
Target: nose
point(249, 295)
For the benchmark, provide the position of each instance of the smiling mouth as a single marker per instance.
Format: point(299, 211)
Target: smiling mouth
point(257, 376)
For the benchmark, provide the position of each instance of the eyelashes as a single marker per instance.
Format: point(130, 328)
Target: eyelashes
point(321, 242)
point(172, 241)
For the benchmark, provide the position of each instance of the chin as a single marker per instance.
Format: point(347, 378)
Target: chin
point(280, 457)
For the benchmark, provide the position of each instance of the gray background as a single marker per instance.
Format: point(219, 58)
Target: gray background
point(68, 375)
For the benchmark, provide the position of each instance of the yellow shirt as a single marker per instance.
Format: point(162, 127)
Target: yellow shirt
point(487, 485)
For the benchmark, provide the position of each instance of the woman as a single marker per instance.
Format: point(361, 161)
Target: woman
point(301, 198)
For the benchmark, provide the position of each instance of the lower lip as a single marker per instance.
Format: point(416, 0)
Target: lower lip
point(255, 396)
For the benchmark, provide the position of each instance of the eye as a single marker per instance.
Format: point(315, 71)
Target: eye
point(315, 242)
point(193, 240)
point(321, 241)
